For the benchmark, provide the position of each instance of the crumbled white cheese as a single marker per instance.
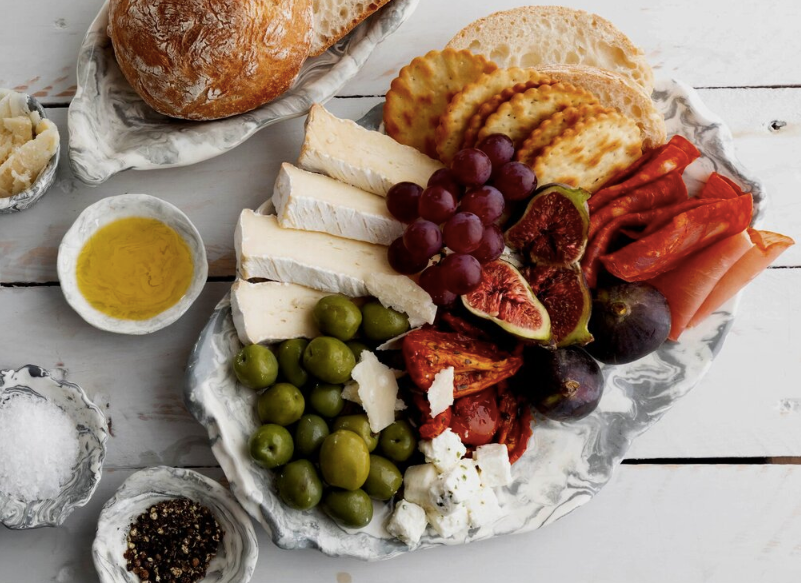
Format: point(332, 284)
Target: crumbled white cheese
point(417, 483)
point(444, 451)
point(450, 525)
point(408, 522)
point(493, 464)
point(455, 486)
point(482, 508)
point(378, 391)
point(440, 394)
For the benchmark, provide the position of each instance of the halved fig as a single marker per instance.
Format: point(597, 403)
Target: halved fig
point(554, 226)
point(504, 297)
point(564, 293)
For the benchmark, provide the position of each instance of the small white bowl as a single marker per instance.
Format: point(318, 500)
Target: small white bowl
point(92, 435)
point(111, 209)
point(238, 551)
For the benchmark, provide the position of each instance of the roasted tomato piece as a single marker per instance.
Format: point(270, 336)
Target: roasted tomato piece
point(476, 417)
point(430, 428)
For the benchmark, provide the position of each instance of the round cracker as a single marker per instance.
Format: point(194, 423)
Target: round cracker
point(420, 93)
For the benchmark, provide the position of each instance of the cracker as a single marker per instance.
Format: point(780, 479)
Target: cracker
point(591, 152)
point(552, 127)
point(422, 90)
point(518, 117)
point(466, 104)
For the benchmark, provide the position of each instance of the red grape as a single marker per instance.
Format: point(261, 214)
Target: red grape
point(402, 261)
point(499, 148)
point(431, 280)
point(402, 201)
point(423, 239)
point(471, 166)
point(461, 273)
point(463, 232)
point(491, 246)
point(516, 181)
point(484, 201)
point(436, 204)
point(445, 178)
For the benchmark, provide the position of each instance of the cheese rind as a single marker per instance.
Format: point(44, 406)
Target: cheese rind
point(313, 202)
point(365, 159)
point(272, 311)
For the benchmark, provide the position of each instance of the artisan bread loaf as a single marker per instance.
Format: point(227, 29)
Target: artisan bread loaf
point(531, 36)
point(333, 19)
point(207, 59)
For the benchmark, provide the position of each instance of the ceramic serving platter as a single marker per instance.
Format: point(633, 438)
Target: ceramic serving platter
point(111, 129)
point(565, 465)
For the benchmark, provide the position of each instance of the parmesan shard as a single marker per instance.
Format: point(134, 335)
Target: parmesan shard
point(440, 394)
point(378, 391)
point(401, 293)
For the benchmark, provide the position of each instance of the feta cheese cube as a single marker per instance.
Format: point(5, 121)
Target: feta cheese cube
point(456, 486)
point(482, 508)
point(408, 522)
point(378, 391)
point(440, 394)
point(444, 451)
point(450, 525)
point(493, 464)
point(417, 482)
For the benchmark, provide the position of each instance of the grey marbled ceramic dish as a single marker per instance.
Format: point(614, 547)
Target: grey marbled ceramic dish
point(566, 463)
point(26, 198)
point(92, 434)
point(106, 211)
point(236, 555)
point(111, 129)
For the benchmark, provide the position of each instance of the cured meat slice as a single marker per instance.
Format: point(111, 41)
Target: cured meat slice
point(718, 186)
point(687, 233)
point(687, 286)
point(664, 215)
point(767, 246)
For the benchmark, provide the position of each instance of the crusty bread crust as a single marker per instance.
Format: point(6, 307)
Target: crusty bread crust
point(208, 59)
point(532, 36)
point(333, 19)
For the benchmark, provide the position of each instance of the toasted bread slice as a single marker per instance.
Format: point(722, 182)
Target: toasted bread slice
point(531, 36)
point(333, 19)
point(591, 152)
point(554, 126)
point(421, 92)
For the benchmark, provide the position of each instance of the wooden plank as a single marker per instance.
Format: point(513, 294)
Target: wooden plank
point(659, 524)
point(704, 43)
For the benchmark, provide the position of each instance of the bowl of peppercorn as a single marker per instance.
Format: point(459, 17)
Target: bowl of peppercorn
point(174, 525)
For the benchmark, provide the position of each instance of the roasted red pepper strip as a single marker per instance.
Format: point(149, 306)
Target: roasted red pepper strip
point(719, 187)
point(464, 327)
point(430, 428)
point(669, 189)
point(687, 233)
point(515, 428)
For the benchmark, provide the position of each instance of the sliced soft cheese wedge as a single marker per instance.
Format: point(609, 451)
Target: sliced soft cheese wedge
point(369, 160)
point(272, 311)
point(378, 390)
point(313, 202)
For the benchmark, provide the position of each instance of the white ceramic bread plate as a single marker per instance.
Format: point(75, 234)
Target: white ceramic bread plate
point(111, 129)
point(90, 423)
point(565, 465)
point(238, 550)
point(111, 209)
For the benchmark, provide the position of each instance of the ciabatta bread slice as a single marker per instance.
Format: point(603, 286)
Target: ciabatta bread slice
point(333, 19)
point(531, 36)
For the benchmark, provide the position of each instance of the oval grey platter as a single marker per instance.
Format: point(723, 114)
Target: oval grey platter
point(112, 129)
point(566, 463)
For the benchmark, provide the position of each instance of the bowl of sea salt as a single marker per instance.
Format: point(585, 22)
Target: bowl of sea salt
point(52, 447)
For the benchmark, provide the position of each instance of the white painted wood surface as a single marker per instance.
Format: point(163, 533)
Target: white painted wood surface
point(653, 522)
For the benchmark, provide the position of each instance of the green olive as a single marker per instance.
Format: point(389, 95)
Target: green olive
point(337, 316)
point(380, 324)
point(310, 433)
point(290, 353)
point(359, 424)
point(357, 348)
point(397, 442)
point(282, 404)
point(256, 366)
point(383, 480)
point(327, 399)
point(351, 509)
point(344, 460)
point(329, 359)
point(271, 446)
point(299, 486)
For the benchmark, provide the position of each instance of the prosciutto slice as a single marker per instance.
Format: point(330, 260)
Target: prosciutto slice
point(767, 246)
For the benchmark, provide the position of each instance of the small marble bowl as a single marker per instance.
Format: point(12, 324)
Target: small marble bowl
point(236, 556)
point(111, 209)
point(92, 435)
point(46, 178)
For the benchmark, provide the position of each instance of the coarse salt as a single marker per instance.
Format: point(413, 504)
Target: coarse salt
point(38, 448)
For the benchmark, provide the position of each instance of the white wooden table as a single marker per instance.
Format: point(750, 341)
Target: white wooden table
point(714, 492)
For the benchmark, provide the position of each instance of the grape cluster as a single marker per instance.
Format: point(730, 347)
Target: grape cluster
point(459, 209)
